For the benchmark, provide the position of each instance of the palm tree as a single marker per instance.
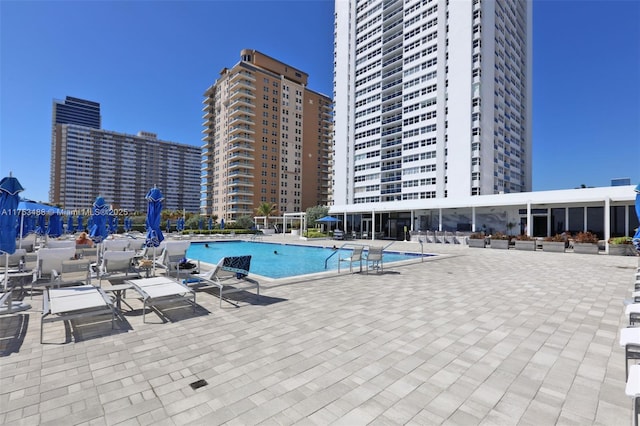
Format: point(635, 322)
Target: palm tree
point(266, 209)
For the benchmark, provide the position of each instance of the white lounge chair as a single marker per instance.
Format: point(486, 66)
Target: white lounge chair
point(172, 254)
point(60, 243)
point(117, 263)
point(632, 390)
point(229, 276)
point(14, 259)
point(49, 265)
point(374, 257)
point(120, 244)
point(356, 256)
point(62, 304)
point(162, 290)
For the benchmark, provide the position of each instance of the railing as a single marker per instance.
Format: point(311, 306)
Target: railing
point(344, 245)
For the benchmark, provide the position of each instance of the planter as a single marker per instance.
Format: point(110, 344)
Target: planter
point(553, 246)
point(622, 250)
point(525, 245)
point(477, 243)
point(585, 248)
point(500, 244)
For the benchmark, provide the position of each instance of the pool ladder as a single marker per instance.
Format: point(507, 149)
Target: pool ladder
point(344, 245)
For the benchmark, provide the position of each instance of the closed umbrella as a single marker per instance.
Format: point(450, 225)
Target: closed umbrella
point(9, 199)
point(180, 224)
point(210, 224)
point(154, 233)
point(168, 225)
point(41, 225)
point(55, 226)
point(80, 227)
point(98, 231)
point(222, 223)
point(201, 224)
point(111, 225)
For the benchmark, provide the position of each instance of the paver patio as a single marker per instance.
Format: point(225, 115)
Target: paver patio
point(480, 336)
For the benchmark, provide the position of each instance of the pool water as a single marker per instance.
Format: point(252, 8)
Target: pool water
point(280, 260)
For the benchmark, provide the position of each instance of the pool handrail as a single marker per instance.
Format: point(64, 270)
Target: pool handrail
point(338, 250)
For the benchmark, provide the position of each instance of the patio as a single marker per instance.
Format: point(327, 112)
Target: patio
point(478, 337)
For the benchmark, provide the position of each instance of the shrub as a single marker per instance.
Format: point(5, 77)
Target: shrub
point(524, 237)
point(477, 236)
point(558, 238)
point(500, 236)
point(621, 240)
point(585, 237)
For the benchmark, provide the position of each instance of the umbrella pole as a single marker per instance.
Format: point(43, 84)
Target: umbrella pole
point(154, 261)
point(21, 230)
point(6, 275)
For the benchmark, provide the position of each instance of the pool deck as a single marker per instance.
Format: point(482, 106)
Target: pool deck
point(479, 336)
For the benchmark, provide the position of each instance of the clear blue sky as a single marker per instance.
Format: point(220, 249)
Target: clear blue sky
point(149, 62)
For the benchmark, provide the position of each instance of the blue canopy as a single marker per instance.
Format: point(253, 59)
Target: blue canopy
point(154, 233)
point(328, 219)
point(29, 207)
point(9, 199)
point(26, 225)
point(99, 213)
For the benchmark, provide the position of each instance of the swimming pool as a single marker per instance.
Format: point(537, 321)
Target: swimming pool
point(290, 260)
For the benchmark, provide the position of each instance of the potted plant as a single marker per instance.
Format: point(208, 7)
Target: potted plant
point(622, 246)
point(555, 243)
point(585, 243)
point(500, 241)
point(477, 239)
point(525, 242)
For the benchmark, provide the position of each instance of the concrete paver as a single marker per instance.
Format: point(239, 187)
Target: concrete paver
point(474, 336)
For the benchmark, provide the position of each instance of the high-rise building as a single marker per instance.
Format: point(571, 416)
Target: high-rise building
point(87, 161)
point(432, 99)
point(267, 139)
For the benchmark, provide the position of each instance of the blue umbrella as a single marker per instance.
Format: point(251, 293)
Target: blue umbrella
point(168, 225)
point(99, 213)
point(80, 227)
point(9, 199)
point(154, 234)
point(201, 224)
point(116, 222)
point(111, 224)
point(180, 224)
point(210, 224)
point(55, 226)
point(222, 223)
point(90, 222)
point(70, 227)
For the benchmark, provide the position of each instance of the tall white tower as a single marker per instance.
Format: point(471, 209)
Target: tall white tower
point(432, 99)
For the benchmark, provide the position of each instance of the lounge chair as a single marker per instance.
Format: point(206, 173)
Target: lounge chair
point(60, 243)
point(117, 263)
point(632, 390)
point(374, 257)
point(120, 244)
point(62, 304)
point(172, 254)
point(14, 259)
point(161, 290)
point(229, 276)
point(356, 256)
point(49, 265)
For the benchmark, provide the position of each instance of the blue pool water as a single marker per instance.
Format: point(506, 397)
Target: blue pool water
point(291, 260)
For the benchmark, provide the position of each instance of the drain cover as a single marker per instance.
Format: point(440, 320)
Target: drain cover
point(198, 384)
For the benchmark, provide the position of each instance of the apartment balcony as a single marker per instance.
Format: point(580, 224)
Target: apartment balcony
point(241, 173)
point(239, 191)
point(239, 129)
point(241, 155)
point(242, 75)
point(241, 111)
point(241, 137)
point(242, 83)
point(240, 146)
point(241, 93)
point(240, 102)
point(240, 183)
point(240, 165)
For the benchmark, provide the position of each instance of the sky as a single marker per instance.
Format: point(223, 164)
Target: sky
point(148, 64)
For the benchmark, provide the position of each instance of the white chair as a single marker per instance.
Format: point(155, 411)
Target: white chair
point(229, 276)
point(60, 243)
point(632, 389)
point(117, 263)
point(49, 266)
point(14, 259)
point(374, 257)
point(356, 256)
point(172, 254)
point(119, 244)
